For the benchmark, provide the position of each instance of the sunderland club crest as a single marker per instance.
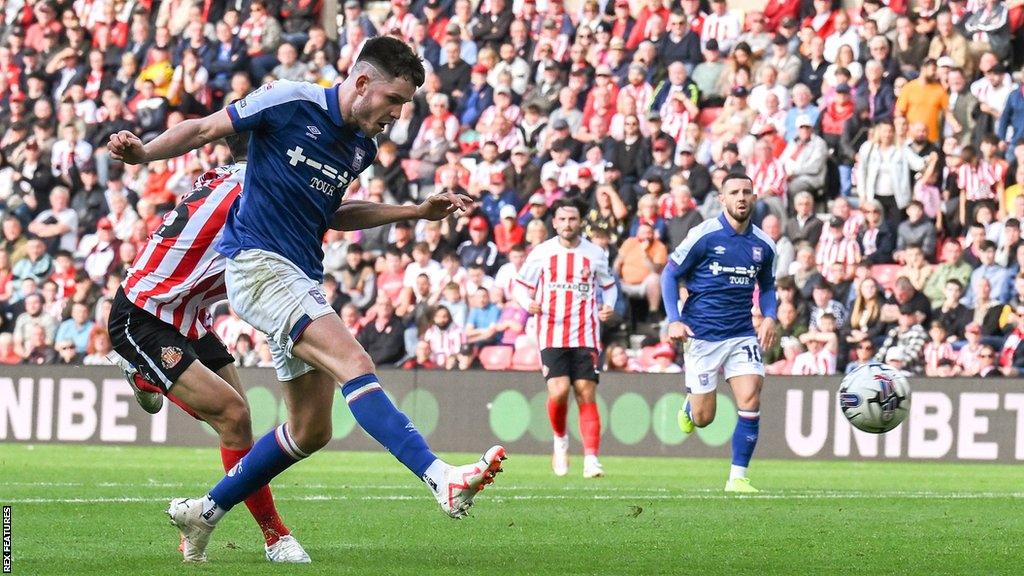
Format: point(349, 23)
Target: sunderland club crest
point(170, 356)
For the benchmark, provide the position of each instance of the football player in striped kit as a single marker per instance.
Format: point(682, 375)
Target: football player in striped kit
point(559, 284)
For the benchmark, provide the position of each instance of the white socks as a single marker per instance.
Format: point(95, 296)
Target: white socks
point(737, 472)
point(562, 443)
point(434, 476)
point(211, 512)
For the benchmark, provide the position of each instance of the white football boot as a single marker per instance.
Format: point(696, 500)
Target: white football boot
point(560, 456)
point(187, 515)
point(287, 550)
point(462, 483)
point(150, 401)
point(592, 467)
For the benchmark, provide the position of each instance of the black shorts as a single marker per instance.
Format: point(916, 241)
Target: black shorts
point(576, 363)
point(155, 348)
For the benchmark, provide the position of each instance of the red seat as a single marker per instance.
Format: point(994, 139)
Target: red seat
point(496, 357)
point(885, 275)
point(526, 359)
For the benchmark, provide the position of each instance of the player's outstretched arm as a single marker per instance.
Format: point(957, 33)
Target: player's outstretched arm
point(174, 142)
point(362, 214)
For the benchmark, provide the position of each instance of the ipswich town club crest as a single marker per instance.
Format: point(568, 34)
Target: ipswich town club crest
point(170, 356)
point(358, 157)
point(757, 254)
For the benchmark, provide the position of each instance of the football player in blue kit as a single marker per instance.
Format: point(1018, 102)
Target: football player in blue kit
point(308, 143)
point(720, 263)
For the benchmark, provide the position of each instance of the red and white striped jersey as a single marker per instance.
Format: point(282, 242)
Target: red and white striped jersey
point(934, 353)
point(444, 343)
point(565, 282)
point(769, 178)
point(854, 222)
point(179, 274)
point(830, 251)
point(976, 182)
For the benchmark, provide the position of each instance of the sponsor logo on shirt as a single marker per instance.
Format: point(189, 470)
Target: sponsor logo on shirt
point(581, 287)
point(333, 177)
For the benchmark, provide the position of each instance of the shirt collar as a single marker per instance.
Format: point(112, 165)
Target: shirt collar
point(728, 226)
point(333, 110)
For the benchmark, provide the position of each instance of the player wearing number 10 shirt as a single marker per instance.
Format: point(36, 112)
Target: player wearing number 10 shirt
point(720, 262)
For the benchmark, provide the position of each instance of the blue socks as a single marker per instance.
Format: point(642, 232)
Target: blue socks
point(380, 418)
point(270, 455)
point(276, 451)
point(744, 440)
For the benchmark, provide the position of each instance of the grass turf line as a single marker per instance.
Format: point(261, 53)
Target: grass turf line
point(87, 510)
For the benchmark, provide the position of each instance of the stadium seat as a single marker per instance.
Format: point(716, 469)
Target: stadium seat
point(496, 357)
point(885, 275)
point(526, 359)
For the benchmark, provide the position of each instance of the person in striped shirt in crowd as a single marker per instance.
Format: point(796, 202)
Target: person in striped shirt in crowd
point(445, 338)
point(905, 342)
point(769, 176)
point(567, 286)
point(976, 183)
point(939, 356)
point(836, 248)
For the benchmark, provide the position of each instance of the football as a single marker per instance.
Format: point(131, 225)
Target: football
point(875, 398)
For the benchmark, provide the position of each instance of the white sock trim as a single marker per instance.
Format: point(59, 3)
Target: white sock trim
point(361, 391)
point(284, 440)
point(749, 415)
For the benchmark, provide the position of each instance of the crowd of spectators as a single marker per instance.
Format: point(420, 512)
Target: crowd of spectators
point(885, 140)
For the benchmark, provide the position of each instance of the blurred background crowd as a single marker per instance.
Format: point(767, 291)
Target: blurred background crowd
point(885, 139)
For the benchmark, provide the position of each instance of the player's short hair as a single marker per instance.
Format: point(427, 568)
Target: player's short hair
point(393, 57)
point(568, 203)
point(736, 176)
point(956, 283)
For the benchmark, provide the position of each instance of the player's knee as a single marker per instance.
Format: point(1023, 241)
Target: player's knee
point(233, 421)
point(702, 418)
point(312, 436)
point(362, 363)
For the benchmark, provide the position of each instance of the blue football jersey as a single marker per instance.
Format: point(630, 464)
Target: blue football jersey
point(720, 269)
point(302, 157)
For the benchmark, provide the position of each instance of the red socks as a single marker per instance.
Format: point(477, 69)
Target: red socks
point(557, 415)
point(260, 503)
point(590, 428)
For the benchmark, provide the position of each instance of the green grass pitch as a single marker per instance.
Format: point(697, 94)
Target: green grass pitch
point(82, 510)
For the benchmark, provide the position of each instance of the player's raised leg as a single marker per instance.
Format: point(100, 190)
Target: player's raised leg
point(558, 410)
point(329, 346)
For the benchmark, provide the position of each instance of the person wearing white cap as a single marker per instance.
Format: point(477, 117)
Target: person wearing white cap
point(804, 159)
